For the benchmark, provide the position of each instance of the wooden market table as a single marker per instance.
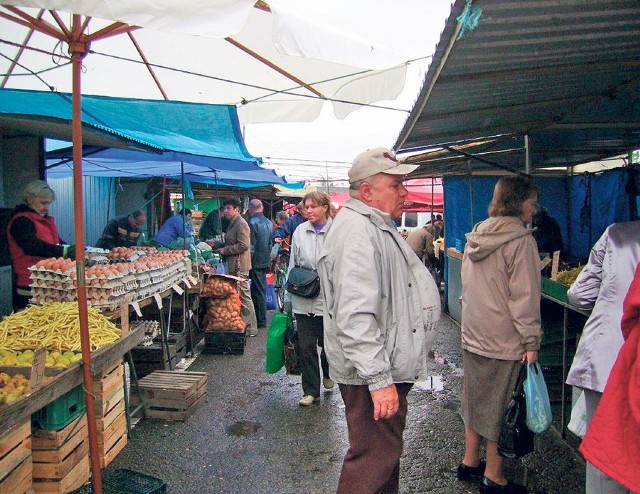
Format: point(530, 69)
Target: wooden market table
point(66, 380)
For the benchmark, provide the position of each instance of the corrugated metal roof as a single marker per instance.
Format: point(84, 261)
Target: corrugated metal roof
point(565, 72)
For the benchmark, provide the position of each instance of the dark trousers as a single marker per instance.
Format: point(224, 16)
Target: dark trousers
point(258, 277)
point(372, 463)
point(310, 337)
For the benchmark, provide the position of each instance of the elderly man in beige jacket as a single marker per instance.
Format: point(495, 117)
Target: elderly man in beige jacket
point(381, 308)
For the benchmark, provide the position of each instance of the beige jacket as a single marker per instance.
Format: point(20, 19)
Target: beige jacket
point(381, 305)
point(501, 290)
point(237, 246)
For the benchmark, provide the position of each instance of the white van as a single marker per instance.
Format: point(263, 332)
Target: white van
point(411, 221)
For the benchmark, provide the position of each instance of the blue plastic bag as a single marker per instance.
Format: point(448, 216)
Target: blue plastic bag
point(537, 398)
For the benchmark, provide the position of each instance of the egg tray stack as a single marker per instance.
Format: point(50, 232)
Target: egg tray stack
point(103, 289)
point(159, 279)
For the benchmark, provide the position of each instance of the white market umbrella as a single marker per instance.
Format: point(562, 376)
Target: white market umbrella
point(276, 62)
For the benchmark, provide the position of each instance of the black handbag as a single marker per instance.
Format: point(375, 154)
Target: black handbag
point(303, 282)
point(516, 439)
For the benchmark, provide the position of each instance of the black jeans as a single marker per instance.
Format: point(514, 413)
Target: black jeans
point(310, 337)
point(258, 277)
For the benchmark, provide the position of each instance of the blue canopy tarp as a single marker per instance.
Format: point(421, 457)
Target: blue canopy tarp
point(112, 162)
point(195, 128)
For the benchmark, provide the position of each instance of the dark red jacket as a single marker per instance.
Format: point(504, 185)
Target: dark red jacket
point(612, 441)
point(25, 253)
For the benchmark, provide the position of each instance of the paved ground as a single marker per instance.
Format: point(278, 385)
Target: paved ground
point(252, 437)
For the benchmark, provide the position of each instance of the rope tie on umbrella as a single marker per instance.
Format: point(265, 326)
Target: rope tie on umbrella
point(469, 18)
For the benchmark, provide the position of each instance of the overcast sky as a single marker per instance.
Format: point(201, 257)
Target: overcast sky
point(325, 148)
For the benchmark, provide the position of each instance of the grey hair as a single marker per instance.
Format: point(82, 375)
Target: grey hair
point(37, 189)
point(355, 186)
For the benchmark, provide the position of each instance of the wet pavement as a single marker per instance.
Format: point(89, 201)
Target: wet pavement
point(252, 437)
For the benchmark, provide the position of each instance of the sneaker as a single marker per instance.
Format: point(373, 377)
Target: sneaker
point(252, 333)
point(307, 401)
point(327, 383)
point(466, 472)
point(488, 486)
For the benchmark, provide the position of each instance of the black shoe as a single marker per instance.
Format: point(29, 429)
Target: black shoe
point(488, 486)
point(471, 473)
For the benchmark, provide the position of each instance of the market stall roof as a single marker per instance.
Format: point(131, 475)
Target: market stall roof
point(112, 162)
point(564, 73)
point(49, 115)
point(195, 128)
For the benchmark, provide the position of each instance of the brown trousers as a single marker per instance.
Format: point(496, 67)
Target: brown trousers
point(372, 463)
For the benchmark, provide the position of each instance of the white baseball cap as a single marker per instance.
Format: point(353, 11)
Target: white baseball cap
point(377, 160)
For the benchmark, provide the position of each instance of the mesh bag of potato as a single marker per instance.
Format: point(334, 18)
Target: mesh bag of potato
point(223, 305)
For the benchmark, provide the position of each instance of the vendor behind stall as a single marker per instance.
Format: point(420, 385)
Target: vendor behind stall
point(32, 235)
point(176, 230)
point(123, 231)
point(213, 226)
point(547, 233)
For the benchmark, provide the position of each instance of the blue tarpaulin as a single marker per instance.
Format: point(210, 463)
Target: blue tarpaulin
point(204, 140)
point(582, 214)
point(112, 162)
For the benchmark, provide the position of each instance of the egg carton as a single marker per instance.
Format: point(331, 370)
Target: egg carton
point(49, 296)
point(53, 284)
point(50, 272)
point(106, 292)
point(50, 276)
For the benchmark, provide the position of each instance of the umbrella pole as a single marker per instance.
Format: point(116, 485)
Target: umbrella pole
point(78, 47)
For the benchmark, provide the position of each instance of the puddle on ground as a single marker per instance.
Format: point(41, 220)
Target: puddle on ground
point(242, 428)
point(432, 383)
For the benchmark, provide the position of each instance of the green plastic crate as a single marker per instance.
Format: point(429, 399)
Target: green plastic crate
point(555, 290)
point(61, 412)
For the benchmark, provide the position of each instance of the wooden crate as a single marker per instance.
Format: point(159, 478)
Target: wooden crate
point(112, 430)
point(15, 459)
point(61, 458)
point(75, 479)
point(108, 390)
point(108, 384)
point(171, 395)
point(112, 434)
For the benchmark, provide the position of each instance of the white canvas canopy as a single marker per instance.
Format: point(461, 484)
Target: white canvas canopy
point(277, 62)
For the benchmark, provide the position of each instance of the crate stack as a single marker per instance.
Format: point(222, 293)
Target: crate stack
point(223, 324)
point(61, 457)
point(108, 390)
point(171, 395)
point(16, 464)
